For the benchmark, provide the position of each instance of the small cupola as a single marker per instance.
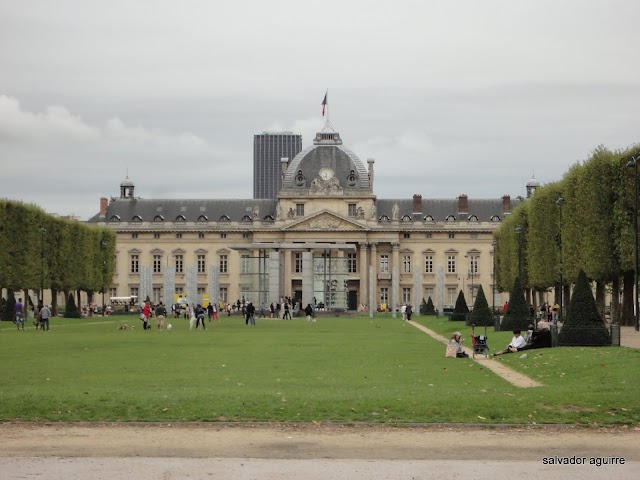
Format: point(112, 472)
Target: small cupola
point(127, 188)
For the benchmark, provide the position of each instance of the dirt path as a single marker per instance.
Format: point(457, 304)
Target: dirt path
point(510, 375)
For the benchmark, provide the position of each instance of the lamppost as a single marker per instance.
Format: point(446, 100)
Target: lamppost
point(43, 231)
point(559, 204)
point(103, 247)
point(633, 165)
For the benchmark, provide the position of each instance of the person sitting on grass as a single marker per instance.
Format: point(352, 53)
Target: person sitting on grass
point(516, 342)
point(456, 341)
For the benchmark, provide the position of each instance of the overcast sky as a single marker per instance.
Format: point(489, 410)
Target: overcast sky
point(448, 97)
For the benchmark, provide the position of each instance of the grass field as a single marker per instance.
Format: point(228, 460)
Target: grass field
point(342, 369)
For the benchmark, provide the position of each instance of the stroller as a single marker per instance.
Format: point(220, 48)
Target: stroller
point(480, 345)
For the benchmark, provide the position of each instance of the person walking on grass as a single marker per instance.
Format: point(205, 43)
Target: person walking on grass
point(45, 314)
point(161, 312)
point(198, 312)
point(19, 314)
point(287, 311)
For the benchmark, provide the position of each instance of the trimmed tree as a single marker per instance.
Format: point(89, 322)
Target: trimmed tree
point(583, 325)
point(70, 309)
point(427, 307)
point(461, 309)
point(481, 314)
point(9, 310)
point(518, 315)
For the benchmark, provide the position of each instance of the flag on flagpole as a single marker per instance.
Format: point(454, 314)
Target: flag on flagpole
point(324, 102)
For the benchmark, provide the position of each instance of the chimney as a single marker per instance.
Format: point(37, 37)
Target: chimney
point(104, 203)
point(463, 204)
point(417, 204)
point(506, 204)
point(284, 163)
point(371, 161)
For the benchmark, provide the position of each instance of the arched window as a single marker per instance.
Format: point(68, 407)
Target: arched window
point(268, 218)
point(224, 218)
point(114, 218)
point(181, 218)
point(246, 218)
point(384, 219)
point(352, 178)
point(158, 218)
point(450, 218)
point(428, 218)
point(203, 218)
point(473, 218)
point(136, 218)
point(495, 218)
point(406, 218)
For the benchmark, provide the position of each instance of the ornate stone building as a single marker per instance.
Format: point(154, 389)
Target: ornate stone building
point(326, 236)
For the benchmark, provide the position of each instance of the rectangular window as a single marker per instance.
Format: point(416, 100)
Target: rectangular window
point(384, 263)
point(156, 235)
point(406, 296)
point(223, 294)
point(223, 235)
point(428, 294)
point(113, 292)
point(352, 263)
point(451, 264)
point(202, 264)
point(299, 209)
point(406, 264)
point(428, 264)
point(406, 235)
point(452, 235)
point(384, 296)
point(134, 235)
point(451, 293)
point(473, 265)
point(179, 263)
point(428, 235)
point(135, 264)
point(157, 264)
point(157, 295)
point(200, 235)
point(298, 262)
point(353, 210)
point(179, 290)
point(246, 235)
point(201, 291)
point(134, 293)
point(244, 264)
point(223, 263)
point(178, 235)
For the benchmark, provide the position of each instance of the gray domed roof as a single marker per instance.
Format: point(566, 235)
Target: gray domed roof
point(533, 182)
point(127, 183)
point(337, 162)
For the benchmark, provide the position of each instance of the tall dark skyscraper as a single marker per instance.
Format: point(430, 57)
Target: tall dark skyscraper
point(268, 149)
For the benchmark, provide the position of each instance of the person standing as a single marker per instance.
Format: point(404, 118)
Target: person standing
point(308, 310)
point(210, 311)
point(161, 313)
point(45, 314)
point(19, 314)
point(287, 311)
point(272, 310)
point(146, 313)
point(408, 312)
point(198, 312)
point(250, 314)
point(214, 311)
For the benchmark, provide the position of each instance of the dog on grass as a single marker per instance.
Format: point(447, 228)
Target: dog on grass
point(123, 327)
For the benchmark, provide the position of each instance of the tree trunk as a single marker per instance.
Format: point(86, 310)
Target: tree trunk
point(627, 299)
point(78, 302)
point(615, 300)
point(54, 302)
point(600, 294)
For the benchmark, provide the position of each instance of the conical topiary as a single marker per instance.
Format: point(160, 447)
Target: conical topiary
point(9, 311)
point(429, 308)
point(481, 314)
point(518, 315)
point(583, 325)
point(460, 311)
point(70, 309)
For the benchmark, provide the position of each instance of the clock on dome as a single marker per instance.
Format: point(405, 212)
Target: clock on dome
point(326, 173)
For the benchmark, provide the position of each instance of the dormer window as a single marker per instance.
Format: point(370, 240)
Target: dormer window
point(246, 218)
point(114, 218)
point(300, 180)
point(384, 219)
point(181, 218)
point(473, 218)
point(224, 218)
point(428, 218)
point(136, 218)
point(450, 218)
point(352, 179)
point(406, 218)
point(495, 218)
point(203, 218)
point(158, 218)
point(268, 218)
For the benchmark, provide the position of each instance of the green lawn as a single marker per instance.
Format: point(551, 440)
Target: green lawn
point(339, 369)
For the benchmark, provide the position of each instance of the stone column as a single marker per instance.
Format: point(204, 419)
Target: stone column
point(373, 261)
point(287, 291)
point(274, 277)
point(307, 278)
point(363, 296)
point(395, 267)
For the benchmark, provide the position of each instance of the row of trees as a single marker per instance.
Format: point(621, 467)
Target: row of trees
point(591, 228)
point(37, 249)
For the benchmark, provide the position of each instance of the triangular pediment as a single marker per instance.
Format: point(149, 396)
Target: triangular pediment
point(325, 221)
